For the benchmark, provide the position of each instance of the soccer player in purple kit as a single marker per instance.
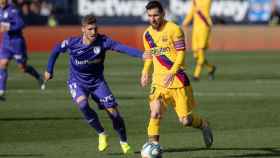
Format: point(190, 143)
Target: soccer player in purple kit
point(13, 45)
point(86, 62)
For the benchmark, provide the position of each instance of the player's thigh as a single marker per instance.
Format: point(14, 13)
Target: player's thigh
point(183, 101)
point(19, 50)
point(203, 38)
point(103, 96)
point(158, 101)
point(200, 38)
point(78, 93)
point(20, 56)
point(5, 56)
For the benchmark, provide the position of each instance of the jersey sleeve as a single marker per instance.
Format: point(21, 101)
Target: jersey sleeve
point(179, 45)
point(147, 62)
point(16, 21)
point(121, 48)
point(178, 39)
point(59, 48)
point(189, 16)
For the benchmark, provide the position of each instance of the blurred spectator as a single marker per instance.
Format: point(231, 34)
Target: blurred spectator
point(25, 8)
point(46, 8)
point(275, 13)
point(35, 7)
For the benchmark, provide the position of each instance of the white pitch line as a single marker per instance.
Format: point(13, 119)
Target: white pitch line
point(230, 94)
point(207, 94)
point(261, 81)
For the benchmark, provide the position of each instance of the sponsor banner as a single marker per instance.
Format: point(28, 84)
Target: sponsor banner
point(133, 11)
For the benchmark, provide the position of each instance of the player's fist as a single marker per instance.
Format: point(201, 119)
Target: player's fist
point(47, 76)
point(144, 79)
point(147, 56)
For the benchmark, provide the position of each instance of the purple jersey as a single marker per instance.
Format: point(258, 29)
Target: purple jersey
point(13, 44)
point(11, 16)
point(87, 65)
point(87, 61)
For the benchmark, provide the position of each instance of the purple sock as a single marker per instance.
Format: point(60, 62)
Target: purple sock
point(91, 116)
point(119, 125)
point(3, 79)
point(33, 72)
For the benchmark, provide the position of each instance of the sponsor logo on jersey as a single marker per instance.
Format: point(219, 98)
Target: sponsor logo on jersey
point(5, 14)
point(160, 51)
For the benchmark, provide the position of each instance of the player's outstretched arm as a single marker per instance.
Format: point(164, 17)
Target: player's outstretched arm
point(121, 48)
point(51, 62)
point(144, 81)
point(188, 17)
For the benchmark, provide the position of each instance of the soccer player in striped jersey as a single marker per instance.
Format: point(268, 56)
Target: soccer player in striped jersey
point(86, 65)
point(200, 16)
point(13, 45)
point(170, 84)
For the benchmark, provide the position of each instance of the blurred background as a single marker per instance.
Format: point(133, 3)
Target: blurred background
point(123, 12)
point(238, 24)
point(242, 103)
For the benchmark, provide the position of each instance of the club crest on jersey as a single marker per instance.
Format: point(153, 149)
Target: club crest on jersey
point(5, 14)
point(96, 50)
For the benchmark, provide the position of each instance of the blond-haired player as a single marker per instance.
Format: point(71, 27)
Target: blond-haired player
point(164, 40)
point(200, 16)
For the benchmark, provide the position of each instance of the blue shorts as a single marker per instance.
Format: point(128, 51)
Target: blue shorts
point(14, 49)
point(100, 93)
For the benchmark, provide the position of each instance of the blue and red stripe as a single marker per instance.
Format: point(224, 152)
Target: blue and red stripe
point(163, 60)
point(181, 75)
point(203, 18)
point(201, 15)
point(150, 40)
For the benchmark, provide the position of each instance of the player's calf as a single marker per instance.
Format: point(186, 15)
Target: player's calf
point(2, 95)
point(207, 134)
point(211, 74)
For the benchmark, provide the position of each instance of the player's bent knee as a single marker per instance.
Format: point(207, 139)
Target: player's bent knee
point(155, 115)
point(113, 112)
point(22, 67)
point(4, 64)
point(186, 121)
point(80, 99)
point(200, 60)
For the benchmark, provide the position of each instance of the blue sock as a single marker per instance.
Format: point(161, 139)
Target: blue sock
point(119, 125)
point(91, 116)
point(3, 79)
point(33, 72)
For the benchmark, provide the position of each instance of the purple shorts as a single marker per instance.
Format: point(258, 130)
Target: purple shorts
point(14, 49)
point(100, 93)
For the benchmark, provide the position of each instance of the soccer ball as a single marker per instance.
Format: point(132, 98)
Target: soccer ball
point(151, 150)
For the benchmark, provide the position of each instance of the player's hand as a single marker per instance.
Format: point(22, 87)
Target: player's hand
point(147, 56)
point(144, 79)
point(47, 76)
point(168, 80)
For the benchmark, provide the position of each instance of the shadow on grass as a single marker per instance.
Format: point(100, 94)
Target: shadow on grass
point(40, 118)
point(22, 155)
point(261, 152)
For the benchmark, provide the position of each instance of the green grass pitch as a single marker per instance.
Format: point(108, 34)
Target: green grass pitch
point(242, 105)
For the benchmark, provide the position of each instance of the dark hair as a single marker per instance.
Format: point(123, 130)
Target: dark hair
point(154, 4)
point(89, 19)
